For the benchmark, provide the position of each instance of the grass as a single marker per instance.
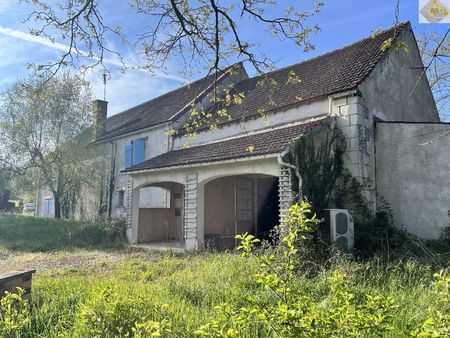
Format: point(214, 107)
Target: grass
point(29, 234)
point(66, 302)
point(106, 299)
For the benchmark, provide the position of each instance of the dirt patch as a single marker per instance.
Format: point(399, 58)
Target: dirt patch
point(52, 261)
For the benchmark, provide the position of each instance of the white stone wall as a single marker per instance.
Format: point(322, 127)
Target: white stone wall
point(356, 124)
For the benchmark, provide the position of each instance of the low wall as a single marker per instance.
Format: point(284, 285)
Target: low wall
point(413, 174)
point(10, 282)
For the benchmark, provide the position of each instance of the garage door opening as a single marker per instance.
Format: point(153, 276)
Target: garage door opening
point(240, 204)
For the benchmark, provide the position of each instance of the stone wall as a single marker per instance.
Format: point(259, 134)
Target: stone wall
point(355, 122)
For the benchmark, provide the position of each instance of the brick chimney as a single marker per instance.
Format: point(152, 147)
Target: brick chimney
point(100, 111)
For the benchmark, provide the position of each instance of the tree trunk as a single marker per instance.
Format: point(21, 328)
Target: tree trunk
point(57, 206)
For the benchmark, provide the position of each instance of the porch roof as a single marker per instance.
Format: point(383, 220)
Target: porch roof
point(266, 142)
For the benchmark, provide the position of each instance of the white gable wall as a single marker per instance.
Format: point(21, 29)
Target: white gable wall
point(387, 91)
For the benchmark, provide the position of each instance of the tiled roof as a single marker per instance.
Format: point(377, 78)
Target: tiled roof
point(335, 72)
point(273, 141)
point(157, 110)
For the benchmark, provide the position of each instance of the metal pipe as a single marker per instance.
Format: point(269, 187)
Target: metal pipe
point(296, 171)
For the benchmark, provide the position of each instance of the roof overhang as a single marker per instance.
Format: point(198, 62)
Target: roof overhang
point(204, 164)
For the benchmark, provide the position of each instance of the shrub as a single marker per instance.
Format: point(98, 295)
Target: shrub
point(100, 233)
point(14, 314)
point(438, 322)
point(293, 312)
point(112, 313)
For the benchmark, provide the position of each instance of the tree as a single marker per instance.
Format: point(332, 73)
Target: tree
point(4, 189)
point(205, 33)
point(435, 51)
point(46, 134)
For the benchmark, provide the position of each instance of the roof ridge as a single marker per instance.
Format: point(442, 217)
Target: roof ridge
point(262, 131)
point(402, 26)
point(174, 90)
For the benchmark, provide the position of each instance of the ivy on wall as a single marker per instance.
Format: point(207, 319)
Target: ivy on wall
point(319, 159)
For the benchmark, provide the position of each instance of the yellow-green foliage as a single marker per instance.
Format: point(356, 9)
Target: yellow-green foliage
point(438, 322)
point(219, 294)
point(116, 298)
point(292, 312)
point(14, 314)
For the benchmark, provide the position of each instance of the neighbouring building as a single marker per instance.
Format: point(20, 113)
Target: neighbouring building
point(233, 179)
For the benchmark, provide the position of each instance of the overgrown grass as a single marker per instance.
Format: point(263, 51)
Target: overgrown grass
point(30, 234)
point(110, 297)
point(65, 303)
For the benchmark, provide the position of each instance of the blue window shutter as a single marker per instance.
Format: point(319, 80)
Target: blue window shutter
point(48, 207)
point(139, 151)
point(128, 155)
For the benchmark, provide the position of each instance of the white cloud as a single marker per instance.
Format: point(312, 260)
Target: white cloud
point(34, 39)
point(124, 89)
point(115, 61)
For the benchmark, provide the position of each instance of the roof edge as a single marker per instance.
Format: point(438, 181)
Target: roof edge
point(201, 95)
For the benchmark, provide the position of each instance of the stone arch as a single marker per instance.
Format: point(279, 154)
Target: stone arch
point(157, 214)
point(234, 204)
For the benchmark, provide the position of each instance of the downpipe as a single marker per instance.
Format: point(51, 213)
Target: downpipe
point(296, 171)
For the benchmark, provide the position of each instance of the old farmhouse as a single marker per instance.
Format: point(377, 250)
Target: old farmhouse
point(177, 190)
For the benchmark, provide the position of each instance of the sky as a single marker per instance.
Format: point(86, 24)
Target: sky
point(342, 22)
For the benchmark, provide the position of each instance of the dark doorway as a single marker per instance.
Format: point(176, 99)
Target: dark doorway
point(268, 213)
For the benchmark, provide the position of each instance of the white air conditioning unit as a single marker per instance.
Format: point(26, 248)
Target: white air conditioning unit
point(341, 228)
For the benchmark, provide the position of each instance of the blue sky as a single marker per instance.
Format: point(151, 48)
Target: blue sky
point(342, 22)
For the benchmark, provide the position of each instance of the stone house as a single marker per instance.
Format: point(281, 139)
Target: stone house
point(233, 179)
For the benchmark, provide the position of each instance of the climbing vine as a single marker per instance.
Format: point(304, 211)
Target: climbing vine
point(319, 159)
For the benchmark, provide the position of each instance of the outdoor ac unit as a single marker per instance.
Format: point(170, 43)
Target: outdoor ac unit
point(341, 228)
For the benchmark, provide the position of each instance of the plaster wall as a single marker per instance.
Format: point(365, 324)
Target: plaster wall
point(386, 95)
point(305, 111)
point(41, 197)
point(161, 224)
point(204, 174)
point(157, 143)
point(387, 90)
point(413, 175)
point(220, 207)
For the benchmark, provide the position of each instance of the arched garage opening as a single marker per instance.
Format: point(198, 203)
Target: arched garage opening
point(239, 204)
point(161, 213)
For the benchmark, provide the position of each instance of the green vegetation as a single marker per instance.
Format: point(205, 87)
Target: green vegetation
point(29, 234)
point(148, 294)
point(68, 302)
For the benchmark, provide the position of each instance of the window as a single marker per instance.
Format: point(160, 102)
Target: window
point(244, 199)
point(135, 152)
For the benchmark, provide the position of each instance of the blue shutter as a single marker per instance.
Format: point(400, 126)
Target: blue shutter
point(139, 151)
point(48, 207)
point(128, 155)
